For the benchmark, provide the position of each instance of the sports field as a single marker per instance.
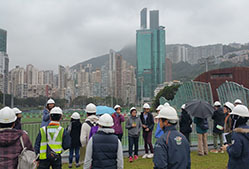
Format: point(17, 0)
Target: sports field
point(211, 161)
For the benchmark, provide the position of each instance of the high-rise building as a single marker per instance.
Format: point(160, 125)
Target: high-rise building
point(168, 70)
point(143, 18)
point(154, 19)
point(3, 41)
point(150, 46)
point(4, 71)
point(62, 77)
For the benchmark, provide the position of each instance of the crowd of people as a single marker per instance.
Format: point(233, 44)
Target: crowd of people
point(97, 142)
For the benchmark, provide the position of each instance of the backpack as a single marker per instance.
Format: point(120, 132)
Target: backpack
point(94, 128)
point(27, 158)
point(204, 124)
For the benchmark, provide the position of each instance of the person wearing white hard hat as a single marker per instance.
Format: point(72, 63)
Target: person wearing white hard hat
point(46, 118)
point(159, 131)
point(147, 120)
point(172, 150)
point(227, 109)
point(238, 149)
point(134, 126)
point(90, 122)
point(218, 127)
point(51, 141)
point(118, 118)
point(18, 124)
point(185, 123)
point(104, 149)
point(74, 129)
point(10, 139)
point(237, 102)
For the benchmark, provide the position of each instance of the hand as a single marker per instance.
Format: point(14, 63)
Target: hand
point(133, 125)
point(147, 129)
point(144, 126)
point(224, 148)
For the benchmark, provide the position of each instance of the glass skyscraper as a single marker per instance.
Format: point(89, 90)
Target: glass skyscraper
point(3, 41)
point(150, 46)
point(143, 18)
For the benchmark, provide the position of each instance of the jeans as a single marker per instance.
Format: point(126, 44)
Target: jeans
point(147, 141)
point(133, 141)
point(119, 136)
point(45, 164)
point(216, 135)
point(202, 144)
point(77, 154)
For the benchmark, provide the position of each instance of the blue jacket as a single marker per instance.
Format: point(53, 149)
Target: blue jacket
point(45, 118)
point(239, 151)
point(159, 131)
point(172, 150)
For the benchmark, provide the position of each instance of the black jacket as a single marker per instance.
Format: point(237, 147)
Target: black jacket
point(219, 118)
point(185, 122)
point(149, 122)
point(74, 130)
point(18, 124)
point(105, 148)
point(172, 150)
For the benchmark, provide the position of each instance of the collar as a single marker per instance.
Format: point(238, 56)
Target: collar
point(2, 129)
point(54, 123)
point(106, 130)
point(169, 128)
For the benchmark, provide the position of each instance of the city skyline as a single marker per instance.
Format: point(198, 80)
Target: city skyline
point(68, 35)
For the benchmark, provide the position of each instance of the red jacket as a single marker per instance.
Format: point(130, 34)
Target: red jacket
point(10, 147)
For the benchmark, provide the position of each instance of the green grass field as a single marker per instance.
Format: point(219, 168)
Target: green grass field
point(211, 161)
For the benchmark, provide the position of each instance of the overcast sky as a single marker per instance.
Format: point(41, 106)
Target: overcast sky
point(46, 33)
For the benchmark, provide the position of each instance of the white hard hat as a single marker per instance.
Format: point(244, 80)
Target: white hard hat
point(91, 108)
point(116, 107)
point(133, 108)
point(56, 110)
point(17, 111)
point(75, 116)
point(166, 104)
point(217, 103)
point(240, 110)
point(106, 120)
point(146, 106)
point(7, 115)
point(183, 106)
point(229, 105)
point(237, 101)
point(159, 107)
point(168, 112)
point(50, 101)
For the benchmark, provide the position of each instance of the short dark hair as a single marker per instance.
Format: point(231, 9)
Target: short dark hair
point(55, 117)
point(6, 125)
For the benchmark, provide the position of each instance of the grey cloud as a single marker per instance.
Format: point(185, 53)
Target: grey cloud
point(51, 32)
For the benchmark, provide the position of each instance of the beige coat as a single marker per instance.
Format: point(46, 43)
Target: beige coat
point(85, 130)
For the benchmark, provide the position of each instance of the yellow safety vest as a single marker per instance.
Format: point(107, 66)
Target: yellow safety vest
point(55, 135)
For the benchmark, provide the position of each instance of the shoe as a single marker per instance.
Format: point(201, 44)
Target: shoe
point(150, 155)
point(200, 154)
point(145, 156)
point(69, 165)
point(221, 151)
point(77, 165)
point(130, 159)
point(135, 157)
point(214, 151)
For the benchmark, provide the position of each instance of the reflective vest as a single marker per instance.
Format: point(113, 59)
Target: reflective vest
point(54, 140)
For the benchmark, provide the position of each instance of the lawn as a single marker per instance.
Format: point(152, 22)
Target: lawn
point(211, 161)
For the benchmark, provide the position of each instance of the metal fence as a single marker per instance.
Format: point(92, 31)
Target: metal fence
point(229, 91)
point(189, 91)
point(33, 129)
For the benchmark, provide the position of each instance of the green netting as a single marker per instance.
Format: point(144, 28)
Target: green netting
point(230, 91)
point(189, 91)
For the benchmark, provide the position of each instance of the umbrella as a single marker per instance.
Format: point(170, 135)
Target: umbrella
point(199, 108)
point(104, 109)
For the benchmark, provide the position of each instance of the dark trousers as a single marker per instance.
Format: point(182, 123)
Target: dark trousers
point(45, 164)
point(187, 136)
point(77, 154)
point(147, 141)
point(119, 136)
point(133, 141)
